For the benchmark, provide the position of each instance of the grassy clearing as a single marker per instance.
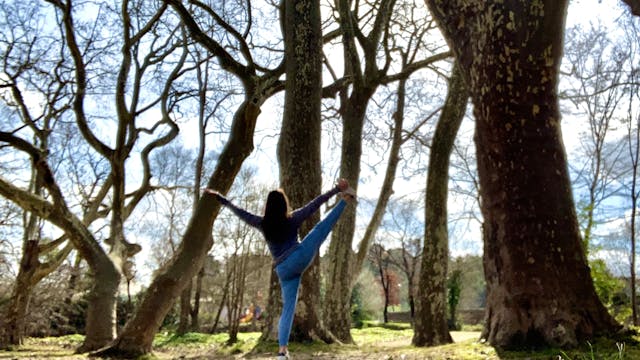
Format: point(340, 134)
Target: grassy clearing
point(374, 342)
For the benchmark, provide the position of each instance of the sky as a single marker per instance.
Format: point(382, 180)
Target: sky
point(465, 235)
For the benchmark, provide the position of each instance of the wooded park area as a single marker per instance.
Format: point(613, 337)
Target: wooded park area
point(446, 115)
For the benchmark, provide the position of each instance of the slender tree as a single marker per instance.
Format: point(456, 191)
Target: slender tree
point(594, 88)
point(407, 259)
point(509, 54)
point(431, 316)
point(380, 258)
point(370, 46)
point(632, 122)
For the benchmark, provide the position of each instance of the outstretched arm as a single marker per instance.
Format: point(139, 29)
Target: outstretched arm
point(244, 215)
point(304, 212)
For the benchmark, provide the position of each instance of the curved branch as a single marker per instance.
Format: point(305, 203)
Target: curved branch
point(46, 247)
point(81, 80)
point(145, 30)
point(415, 66)
point(244, 48)
point(47, 268)
point(59, 215)
point(21, 144)
point(226, 60)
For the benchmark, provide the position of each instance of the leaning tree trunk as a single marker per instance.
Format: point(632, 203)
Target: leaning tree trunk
point(299, 143)
point(137, 335)
point(431, 315)
point(539, 288)
point(336, 304)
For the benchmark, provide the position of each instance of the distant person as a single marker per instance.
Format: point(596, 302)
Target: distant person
point(280, 228)
point(248, 315)
point(257, 312)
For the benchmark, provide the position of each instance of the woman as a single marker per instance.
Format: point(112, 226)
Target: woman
point(280, 228)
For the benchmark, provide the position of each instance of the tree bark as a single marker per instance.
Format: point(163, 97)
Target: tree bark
point(185, 309)
point(274, 304)
point(539, 289)
point(431, 315)
point(299, 144)
point(195, 311)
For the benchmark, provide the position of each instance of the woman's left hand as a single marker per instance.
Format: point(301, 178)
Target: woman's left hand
point(343, 184)
point(212, 192)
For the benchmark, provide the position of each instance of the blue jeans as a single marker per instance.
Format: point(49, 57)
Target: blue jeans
point(290, 269)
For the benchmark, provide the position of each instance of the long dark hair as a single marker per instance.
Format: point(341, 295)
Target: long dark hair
point(276, 212)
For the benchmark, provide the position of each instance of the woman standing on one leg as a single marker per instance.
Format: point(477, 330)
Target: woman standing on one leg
point(280, 228)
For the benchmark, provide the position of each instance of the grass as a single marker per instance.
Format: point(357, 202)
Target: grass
point(373, 341)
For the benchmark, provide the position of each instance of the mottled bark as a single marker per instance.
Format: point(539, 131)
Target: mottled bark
point(539, 288)
point(340, 253)
point(299, 144)
point(431, 315)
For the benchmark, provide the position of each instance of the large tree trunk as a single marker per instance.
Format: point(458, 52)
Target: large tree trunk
point(431, 315)
point(344, 264)
point(137, 335)
point(539, 288)
point(299, 143)
point(101, 314)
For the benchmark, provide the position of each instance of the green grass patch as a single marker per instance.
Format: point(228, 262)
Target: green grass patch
point(373, 341)
point(53, 347)
point(209, 342)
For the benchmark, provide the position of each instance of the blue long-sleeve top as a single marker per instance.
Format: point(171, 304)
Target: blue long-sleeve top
point(281, 248)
